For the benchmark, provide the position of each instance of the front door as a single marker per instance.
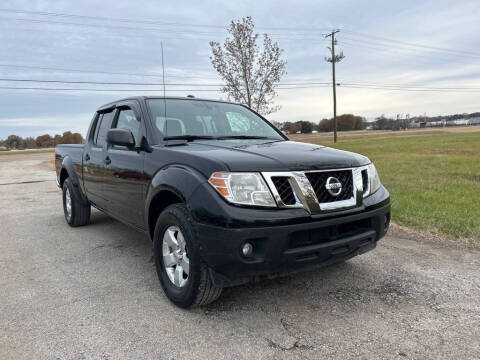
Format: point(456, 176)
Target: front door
point(125, 183)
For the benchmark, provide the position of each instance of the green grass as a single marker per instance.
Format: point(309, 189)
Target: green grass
point(433, 179)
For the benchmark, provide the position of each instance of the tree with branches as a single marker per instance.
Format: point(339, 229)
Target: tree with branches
point(250, 74)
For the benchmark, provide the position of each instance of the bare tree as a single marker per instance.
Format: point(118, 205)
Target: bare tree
point(250, 74)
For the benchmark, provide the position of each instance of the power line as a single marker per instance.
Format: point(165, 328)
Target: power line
point(140, 90)
point(102, 18)
point(407, 86)
point(398, 51)
point(405, 43)
point(302, 30)
point(374, 45)
point(139, 83)
point(406, 51)
point(368, 87)
point(98, 90)
point(102, 72)
point(105, 26)
point(149, 22)
point(105, 82)
point(191, 32)
point(373, 87)
point(193, 36)
point(132, 90)
point(188, 34)
point(284, 86)
point(296, 85)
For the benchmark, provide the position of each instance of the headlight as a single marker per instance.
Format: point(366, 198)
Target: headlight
point(373, 178)
point(242, 188)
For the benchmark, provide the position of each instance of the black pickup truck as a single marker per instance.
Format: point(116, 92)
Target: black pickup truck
point(224, 196)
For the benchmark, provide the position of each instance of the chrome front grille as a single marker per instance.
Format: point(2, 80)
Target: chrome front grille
point(319, 179)
point(307, 189)
point(284, 189)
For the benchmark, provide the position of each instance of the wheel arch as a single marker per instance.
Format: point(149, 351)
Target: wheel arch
point(170, 185)
point(63, 176)
point(160, 202)
point(68, 171)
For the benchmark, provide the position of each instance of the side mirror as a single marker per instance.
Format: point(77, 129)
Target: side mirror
point(121, 137)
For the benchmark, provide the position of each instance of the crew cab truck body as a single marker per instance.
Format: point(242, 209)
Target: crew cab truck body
point(224, 196)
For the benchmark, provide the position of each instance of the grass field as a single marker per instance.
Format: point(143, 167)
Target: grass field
point(433, 176)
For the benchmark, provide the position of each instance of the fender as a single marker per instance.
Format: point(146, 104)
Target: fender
point(67, 164)
point(178, 179)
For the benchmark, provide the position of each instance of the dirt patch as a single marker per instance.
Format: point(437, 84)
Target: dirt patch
point(475, 178)
point(48, 164)
point(430, 236)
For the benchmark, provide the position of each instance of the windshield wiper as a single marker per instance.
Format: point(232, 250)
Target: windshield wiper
point(190, 137)
point(246, 137)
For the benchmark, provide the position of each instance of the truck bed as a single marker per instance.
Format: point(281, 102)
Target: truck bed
point(74, 151)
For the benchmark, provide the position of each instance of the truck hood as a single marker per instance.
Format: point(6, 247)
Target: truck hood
point(272, 156)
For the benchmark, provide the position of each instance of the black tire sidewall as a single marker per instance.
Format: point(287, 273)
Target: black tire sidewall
point(68, 185)
point(177, 215)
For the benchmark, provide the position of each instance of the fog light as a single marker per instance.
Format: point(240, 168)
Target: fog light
point(247, 249)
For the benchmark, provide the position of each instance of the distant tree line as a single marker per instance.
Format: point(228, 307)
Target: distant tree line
point(446, 117)
point(384, 123)
point(42, 141)
point(346, 122)
point(349, 122)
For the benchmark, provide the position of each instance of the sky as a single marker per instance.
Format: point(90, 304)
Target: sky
point(401, 57)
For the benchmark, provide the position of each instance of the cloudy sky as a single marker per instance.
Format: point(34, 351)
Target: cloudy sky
point(402, 57)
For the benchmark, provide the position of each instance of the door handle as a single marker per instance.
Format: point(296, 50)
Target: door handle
point(107, 160)
point(87, 157)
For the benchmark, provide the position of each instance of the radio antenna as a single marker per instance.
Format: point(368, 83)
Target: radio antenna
point(164, 99)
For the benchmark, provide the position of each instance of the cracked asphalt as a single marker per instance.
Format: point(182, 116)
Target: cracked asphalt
point(92, 293)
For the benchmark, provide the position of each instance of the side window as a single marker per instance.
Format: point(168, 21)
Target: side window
point(128, 121)
point(102, 128)
point(97, 126)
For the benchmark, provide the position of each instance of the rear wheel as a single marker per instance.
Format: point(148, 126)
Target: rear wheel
point(76, 212)
point(181, 271)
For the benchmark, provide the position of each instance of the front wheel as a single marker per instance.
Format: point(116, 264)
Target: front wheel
point(181, 271)
point(76, 212)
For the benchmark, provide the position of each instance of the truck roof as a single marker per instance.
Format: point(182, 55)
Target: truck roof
point(143, 98)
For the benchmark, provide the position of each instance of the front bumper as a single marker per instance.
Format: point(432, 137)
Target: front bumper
point(286, 247)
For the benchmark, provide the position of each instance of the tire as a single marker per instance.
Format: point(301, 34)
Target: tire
point(76, 213)
point(195, 288)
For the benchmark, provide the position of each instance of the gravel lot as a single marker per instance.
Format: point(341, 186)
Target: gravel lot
point(92, 293)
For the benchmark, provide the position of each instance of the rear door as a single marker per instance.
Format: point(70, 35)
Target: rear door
point(94, 172)
point(125, 181)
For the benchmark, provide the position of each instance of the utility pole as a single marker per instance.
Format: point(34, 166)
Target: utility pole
point(333, 59)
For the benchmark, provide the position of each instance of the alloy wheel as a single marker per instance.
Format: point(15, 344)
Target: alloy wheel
point(175, 257)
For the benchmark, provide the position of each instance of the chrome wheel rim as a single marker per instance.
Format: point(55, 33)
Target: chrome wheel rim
point(68, 204)
point(175, 257)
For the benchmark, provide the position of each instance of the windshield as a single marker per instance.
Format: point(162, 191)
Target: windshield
point(208, 119)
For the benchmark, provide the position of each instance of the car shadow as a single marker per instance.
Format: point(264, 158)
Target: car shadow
point(303, 288)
